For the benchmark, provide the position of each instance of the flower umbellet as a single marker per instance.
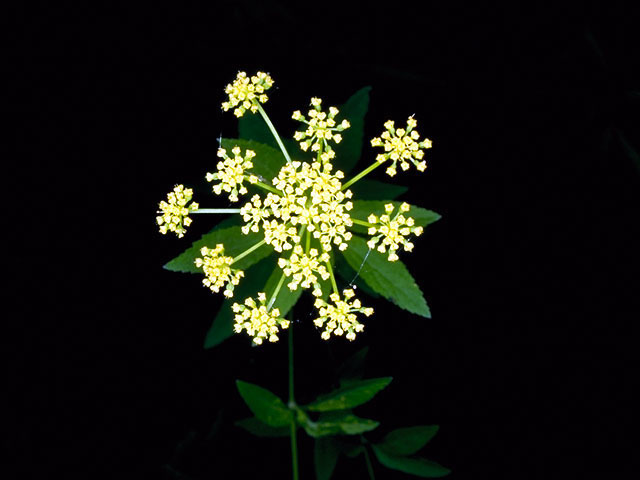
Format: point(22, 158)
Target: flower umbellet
point(401, 145)
point(304, 213)
point(231, 173)
point(175, 211)
point(390, 233)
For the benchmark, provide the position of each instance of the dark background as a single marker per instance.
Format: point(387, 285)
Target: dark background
point(531, 274)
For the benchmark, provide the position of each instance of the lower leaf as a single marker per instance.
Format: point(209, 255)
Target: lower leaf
point(421, 467)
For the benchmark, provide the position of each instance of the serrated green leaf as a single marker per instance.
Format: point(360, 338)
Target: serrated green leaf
point(235, 243)
point(250, 285)
point(348, 151)
point(253, 127)
point(264, 404)
point(420, 467)
point(368, 189)
point(392, 280)
point(286, 299)
point(267, 162)
point(325, 455)
point(363, 208)
point(407, 441)
point(349, 396)
point(353, 367)
point(341, 422)
point(260, 429)
point(353, 279)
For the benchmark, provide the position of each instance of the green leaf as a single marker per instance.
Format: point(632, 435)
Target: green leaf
point(264, 404)
point(235, 243)
point(363, 208)
point(420, 467)
point(253, 127)
point(325, 454)
point(350, 395)
point(348, 151)
point(341, 422)
point(250, 285)
point(352, 369)
point(286, 299)
point(407, 441)
point(368, 189)
point(392, 280)
point(349, 275)
point(267, 162)
point(260, 429)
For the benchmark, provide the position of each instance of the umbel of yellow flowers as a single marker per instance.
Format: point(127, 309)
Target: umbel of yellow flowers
point(303, 215)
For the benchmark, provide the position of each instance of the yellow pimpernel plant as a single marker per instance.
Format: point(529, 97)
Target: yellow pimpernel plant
point(304, 212)
point(299, 221)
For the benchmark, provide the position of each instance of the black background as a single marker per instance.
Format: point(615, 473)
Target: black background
point(531, 274)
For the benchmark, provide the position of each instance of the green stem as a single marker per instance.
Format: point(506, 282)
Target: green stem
point(362, 222)
point(367, 459)
point(216, 210)
point(333, 278)
point(267, 187)
point(248, 251)
point(367, 170)
point(292, 404)
point(274, 132)
point(275, 292)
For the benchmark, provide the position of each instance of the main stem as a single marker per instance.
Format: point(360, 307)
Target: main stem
point(292, 404)
point(367, 459)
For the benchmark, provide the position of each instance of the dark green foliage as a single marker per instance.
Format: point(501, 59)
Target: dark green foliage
point(234, 241)
point(391, 280)
point(420, 467)
point(265, 405)
point(349, 396)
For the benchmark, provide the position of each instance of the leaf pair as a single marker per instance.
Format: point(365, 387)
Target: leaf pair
point(335, 410)
point(393, 452)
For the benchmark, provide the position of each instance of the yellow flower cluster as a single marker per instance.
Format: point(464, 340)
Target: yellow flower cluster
point(392, 232)
point(231, 173)
point(339, 317)
point(321, 127)
point(217, 270)
point(305, 268)
point(247, 93)
point(175, 211)
point(306, 203)
point(258, 321)
point(401, 145)
point(311, 196)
